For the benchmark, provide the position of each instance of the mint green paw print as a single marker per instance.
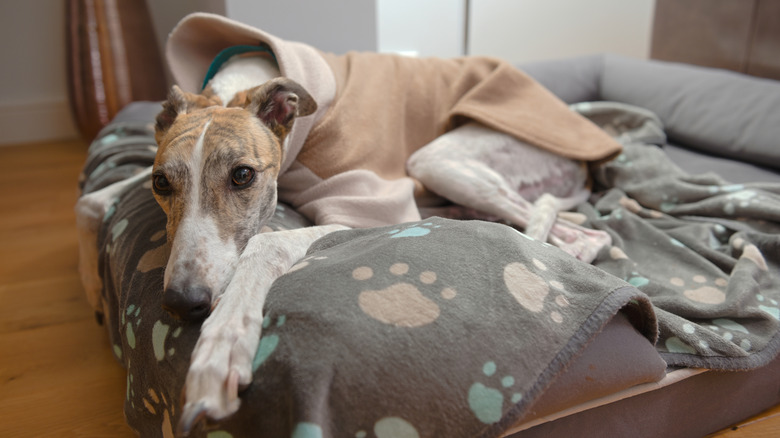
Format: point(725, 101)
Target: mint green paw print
point(268, 343)
point(624, 160)
point(733, 332)
point(739, 197)
point(160, 333)
point(487, 403)
point(637, 280)
point(669, 203)
point(131, 320)
point(769, 306)
point(111, 209)
point(307, 430)
point(414, 230)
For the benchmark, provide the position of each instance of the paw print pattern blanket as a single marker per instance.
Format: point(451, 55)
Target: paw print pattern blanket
point(453, 328)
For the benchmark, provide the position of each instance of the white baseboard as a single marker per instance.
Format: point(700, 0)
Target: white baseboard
point(26, 122)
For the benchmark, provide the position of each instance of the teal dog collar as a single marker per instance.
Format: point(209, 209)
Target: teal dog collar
point(223, 56)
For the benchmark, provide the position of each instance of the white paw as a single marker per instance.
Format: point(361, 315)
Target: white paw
point(580, 242)
point(221, 363)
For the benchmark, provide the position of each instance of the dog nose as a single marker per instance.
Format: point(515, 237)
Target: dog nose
point(187, 303)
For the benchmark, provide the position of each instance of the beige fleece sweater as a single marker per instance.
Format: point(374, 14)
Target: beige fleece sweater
point(347, 162)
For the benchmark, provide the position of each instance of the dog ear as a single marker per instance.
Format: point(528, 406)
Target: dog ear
point(175, 104)
point(278, 102)
point(181, 102)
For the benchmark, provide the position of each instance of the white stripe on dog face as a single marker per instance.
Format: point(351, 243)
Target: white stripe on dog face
point(196, 171)
point(199, 257)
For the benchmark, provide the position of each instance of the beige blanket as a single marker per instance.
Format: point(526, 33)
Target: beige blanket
point(389, 106)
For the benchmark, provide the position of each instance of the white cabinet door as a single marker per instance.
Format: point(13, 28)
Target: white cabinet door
point(421, 27)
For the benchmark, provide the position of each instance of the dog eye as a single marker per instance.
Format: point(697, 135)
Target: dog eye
point(161, 184)
point(243, 176)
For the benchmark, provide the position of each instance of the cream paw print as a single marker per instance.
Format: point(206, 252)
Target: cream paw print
point(410, 301)
point(157, 257)
point(307, 261)
point(702, 289)
point(413, 230)
point(155, 403)
point(531, 290)
point(487, 401)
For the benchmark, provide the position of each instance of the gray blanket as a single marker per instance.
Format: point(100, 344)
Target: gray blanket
point(455, 328)
point(705, 251)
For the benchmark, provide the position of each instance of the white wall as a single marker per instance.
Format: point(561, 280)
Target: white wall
point(33, 88)
point(531, 30)
point(336, 26)
point(421, 27)
point(166, 13)
point(33, 85)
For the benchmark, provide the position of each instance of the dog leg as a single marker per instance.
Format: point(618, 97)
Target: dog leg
point(546, 210)
point(91, 211)
point(547, 223)
point(486, 170)
point(222, 358)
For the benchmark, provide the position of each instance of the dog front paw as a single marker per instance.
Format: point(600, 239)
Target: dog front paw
point(221, 363)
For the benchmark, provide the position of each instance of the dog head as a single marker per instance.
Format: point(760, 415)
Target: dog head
point(215, 177)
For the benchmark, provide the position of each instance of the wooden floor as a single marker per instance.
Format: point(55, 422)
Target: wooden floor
point(57, 375)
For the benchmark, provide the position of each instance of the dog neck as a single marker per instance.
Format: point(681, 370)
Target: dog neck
point(242, 72)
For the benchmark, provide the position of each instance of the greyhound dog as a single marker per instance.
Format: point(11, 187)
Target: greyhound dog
point(215, 176)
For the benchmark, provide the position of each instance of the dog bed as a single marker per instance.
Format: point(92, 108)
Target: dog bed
point(468, 328)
